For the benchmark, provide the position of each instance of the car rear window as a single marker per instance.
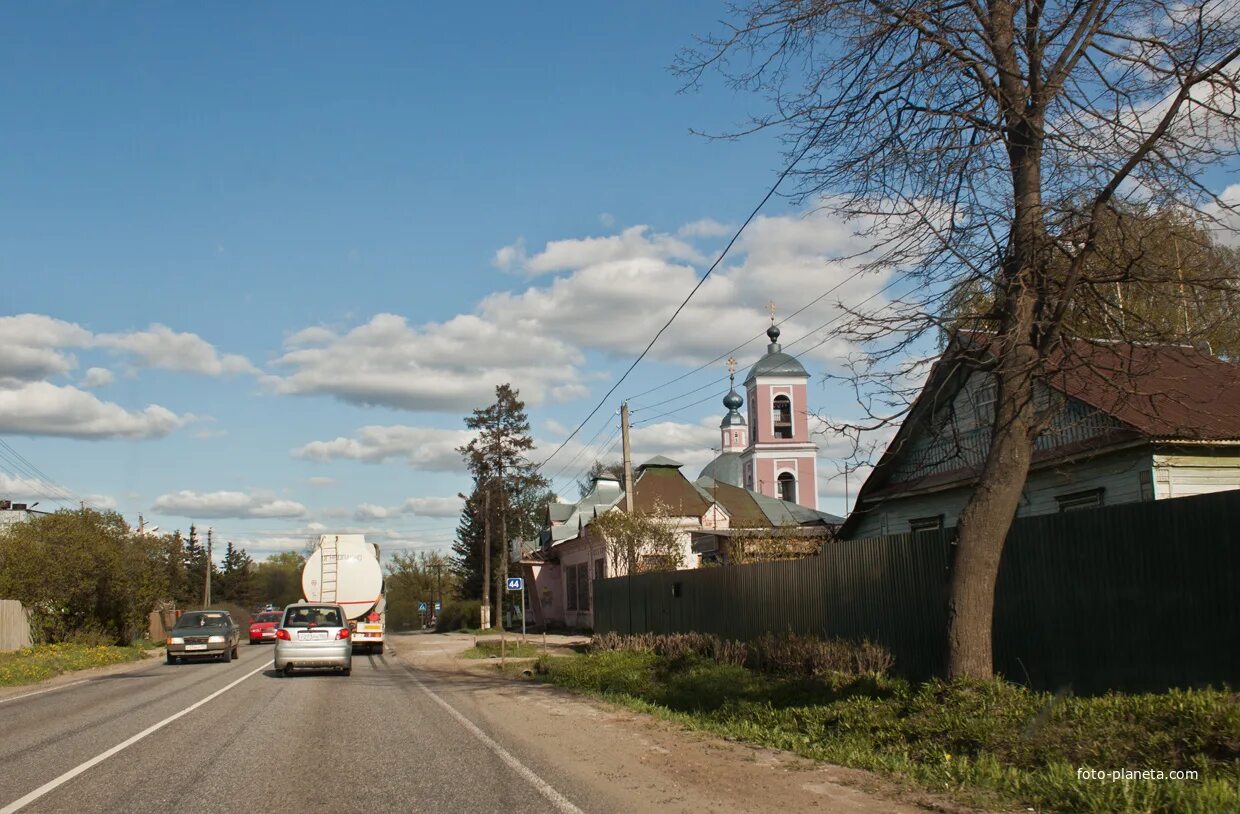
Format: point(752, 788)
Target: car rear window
point(267, 617)
point(316, 616)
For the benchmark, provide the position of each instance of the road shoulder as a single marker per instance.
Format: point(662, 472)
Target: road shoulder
point(641, 761)
point(149, 658)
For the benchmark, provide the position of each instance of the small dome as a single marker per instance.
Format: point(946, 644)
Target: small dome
point(773, 332)
point(733, 400)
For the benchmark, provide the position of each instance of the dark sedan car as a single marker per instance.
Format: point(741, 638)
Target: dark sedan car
point(204, 634)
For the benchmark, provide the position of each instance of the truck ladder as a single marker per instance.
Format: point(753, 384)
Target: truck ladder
point(327, 570)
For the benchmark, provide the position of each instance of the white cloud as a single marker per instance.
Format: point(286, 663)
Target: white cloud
point(187, 503)
point(706, 227)
point(426, 448)
point(619, 291)
point(33, 346)
point(511, 256)
point(97, 377)
point(1227, 230)
point(606, 293)
point(161, 347)
point(433, 506)
point(633, 243)
point(449, 366)
point(369, 512)
point(40, 408)
point(420, 506)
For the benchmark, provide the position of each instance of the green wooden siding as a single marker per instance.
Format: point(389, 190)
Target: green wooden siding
point(1140, 596)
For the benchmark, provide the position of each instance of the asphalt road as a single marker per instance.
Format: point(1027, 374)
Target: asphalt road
point(387, 738)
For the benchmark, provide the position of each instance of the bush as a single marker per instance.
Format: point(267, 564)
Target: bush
point(456, 615)
point(786, 653)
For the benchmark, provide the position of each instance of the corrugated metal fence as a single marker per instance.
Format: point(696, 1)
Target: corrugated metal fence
point(14, 625)
point(1136, 596)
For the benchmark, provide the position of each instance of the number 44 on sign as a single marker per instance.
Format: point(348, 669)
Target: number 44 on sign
point(515, 583)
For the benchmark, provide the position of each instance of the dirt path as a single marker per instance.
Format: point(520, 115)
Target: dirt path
point(640, 763)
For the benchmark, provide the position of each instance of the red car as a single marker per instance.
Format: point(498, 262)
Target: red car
point(263, 627)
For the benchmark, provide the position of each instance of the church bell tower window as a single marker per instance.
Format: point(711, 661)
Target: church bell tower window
point(787, 487)
point(783, 417)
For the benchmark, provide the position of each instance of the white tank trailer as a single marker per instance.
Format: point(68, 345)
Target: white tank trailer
point(346, 570)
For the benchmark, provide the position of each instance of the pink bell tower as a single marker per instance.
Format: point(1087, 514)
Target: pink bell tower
point(780, 460)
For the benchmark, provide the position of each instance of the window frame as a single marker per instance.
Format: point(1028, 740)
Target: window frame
point(780, 480)
point(1081, 500)
point(777, 426)
point(922, 525)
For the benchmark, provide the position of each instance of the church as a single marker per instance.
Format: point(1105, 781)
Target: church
point(771, 453)
point(757, 500)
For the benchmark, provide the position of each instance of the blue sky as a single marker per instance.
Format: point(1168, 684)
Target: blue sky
point(272, 227)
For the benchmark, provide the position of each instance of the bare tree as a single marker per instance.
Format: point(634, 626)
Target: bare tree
point(984, 146)
point(639, 542)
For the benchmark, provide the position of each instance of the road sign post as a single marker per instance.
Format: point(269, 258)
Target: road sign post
point(518, 584)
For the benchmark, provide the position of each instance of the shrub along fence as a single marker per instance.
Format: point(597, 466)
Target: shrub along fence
point(1140, 596)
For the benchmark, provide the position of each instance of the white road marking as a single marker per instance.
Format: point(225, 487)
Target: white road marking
point(125, 744)
point(558, 800)
point(40, 692)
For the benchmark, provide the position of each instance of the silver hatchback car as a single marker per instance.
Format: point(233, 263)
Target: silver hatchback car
point(314, 634)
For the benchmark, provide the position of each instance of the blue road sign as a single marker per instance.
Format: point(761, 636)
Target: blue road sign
point(422, 607)
point(515, 583)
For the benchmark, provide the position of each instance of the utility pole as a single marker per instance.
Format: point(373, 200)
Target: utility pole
point(503, 534)
point(206, 591)
point(485, 621)
point(628, 457)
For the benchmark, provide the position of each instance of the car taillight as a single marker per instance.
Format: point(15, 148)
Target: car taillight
point(343, 633)
point(283, 634)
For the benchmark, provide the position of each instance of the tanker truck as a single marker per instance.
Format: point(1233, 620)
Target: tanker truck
point(346, 570)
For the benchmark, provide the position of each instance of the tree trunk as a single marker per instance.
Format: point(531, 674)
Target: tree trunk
point(985, 521)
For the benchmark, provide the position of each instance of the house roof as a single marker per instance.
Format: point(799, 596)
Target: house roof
point(660, 461)
point(1165, 392)
point(1157, 392)
point(747, 509)
point(661, 485)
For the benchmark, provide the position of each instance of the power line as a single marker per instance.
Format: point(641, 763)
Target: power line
point(35, 477)
point(770, 193)
point(797, 341)
point(856, 273)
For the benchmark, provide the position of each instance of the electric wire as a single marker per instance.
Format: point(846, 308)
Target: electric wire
point(736, 236)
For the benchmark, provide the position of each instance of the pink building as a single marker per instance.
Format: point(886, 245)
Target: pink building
point(779, 459)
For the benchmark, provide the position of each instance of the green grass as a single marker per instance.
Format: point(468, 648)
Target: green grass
point(490, 649)
point(35, 664)
point(982, 742)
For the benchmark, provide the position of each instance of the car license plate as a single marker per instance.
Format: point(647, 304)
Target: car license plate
point(314, 635)
point(195, 647)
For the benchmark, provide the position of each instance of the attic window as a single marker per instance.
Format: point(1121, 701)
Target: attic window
point(984, 400)
point(783, 417)
point(920, 524)
point(1075, 501)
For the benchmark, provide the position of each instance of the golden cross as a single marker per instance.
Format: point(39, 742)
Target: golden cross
point(770, 309)
point(731, 365)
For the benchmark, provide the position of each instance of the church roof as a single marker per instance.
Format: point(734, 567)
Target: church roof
point(661, 460)
point(725, 468)
point(776, 362)
point(749, 509)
